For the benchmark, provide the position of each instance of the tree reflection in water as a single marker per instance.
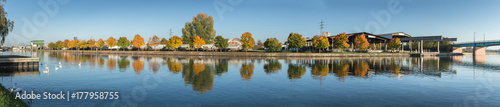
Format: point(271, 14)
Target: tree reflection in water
point(111, 64)
point(341, 70)
point(319, 70)
point(123, 64)
point(272, 67)
point(200, 76)
point(138, 66)
point(295, 71)
point(100, 61)
point(154, 66)
point(246, 71)
point(221, 67)
point(174, 67)
point(361, 68)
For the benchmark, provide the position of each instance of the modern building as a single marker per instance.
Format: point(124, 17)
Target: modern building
point(37, 44)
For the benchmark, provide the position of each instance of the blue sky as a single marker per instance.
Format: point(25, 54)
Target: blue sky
point(87, 19)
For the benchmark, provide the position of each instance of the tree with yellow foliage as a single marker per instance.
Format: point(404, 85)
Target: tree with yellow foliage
point(138, 41)
point(198, 42)
point(91, 43)
point(320, 42)
point(73, 43)
point(295, 40)
point(246, 71)
point(361, 42)
point(82, 45)
point(138, 66)
point(198, 67)
point(111, 42)
point(154, 42)
point(247, 41)
point(394, 43)
point(175, 42)
point(100, 43)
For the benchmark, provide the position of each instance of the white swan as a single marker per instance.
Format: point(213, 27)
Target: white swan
point(46, 71)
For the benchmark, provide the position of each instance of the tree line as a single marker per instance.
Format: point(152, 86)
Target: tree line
point(200, 31)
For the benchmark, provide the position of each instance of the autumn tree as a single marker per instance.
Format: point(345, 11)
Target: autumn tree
point(123, 42)
point(198, 42)
point(6, 25)
point(164, 42)
point(91, 43)
point(361, 43)
point(340, 41)
point(73, 43)
point(202, 26)
point(175, 42)
point(138, 66)
point(82, 45)
point(154, 42)
point(59, 45)
point(138, 41)
point(272, 44)
point(295, 40)
point(394, 43)
point(100, 43)
point(51, 45)
point(295, 71)
point(320, 42)
point(65, 43)
point(221, 42)
point(247, 41)
point(111, 42)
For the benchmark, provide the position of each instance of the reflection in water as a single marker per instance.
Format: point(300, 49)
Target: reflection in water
point(200, 73)
point(138, 66)
point(296, 71)
point(272, 66)
point(111, 64)
point(123, 64)
point(174, 67)
point(319, 69)
point(246, 71)
point(221, 67)
point(200, 76)
point(341, 70)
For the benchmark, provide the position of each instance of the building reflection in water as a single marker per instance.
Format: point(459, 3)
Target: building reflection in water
point(200, 73)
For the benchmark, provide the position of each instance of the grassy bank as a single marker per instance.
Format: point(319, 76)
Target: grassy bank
point(8, 100)
point(237, 54)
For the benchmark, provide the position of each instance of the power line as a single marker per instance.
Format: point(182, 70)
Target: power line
point(321, 27)
point(170, 32)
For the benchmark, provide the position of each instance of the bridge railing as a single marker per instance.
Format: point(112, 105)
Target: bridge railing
point(478, 42)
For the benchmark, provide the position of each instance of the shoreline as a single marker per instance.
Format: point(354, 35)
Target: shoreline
point(233, 54)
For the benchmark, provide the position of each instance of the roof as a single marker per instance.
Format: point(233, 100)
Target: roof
point(235, 39)
point(396, 34)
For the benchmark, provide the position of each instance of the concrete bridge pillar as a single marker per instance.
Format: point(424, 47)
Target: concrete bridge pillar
point(456, 50)
point(479, 51)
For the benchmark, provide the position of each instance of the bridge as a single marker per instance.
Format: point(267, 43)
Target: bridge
point(479, 46)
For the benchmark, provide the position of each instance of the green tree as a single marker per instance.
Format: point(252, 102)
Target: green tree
point(202, 25)
point(123, 42)
point(247, 41)
point(295, 40)
point(361, 42)
point(320, 42)
point(6, 25)
point(394, 43)
point(340, 41)
point(296, 71)
point(221, 42)
point(272, 44)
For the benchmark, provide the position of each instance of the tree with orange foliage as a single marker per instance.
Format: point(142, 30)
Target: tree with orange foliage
point(73, 43)
point(100, 43)
point(247, 41)
point(361, 42)
point(138, 41)
point(154, 42)
point(198, 42)
point(65, 43)
point(111, 64)
point(340, 41)
point(198, 67)
point(111, 42)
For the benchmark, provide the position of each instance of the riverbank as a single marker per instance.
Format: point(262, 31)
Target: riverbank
point(8, 100)
point(235, 54)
